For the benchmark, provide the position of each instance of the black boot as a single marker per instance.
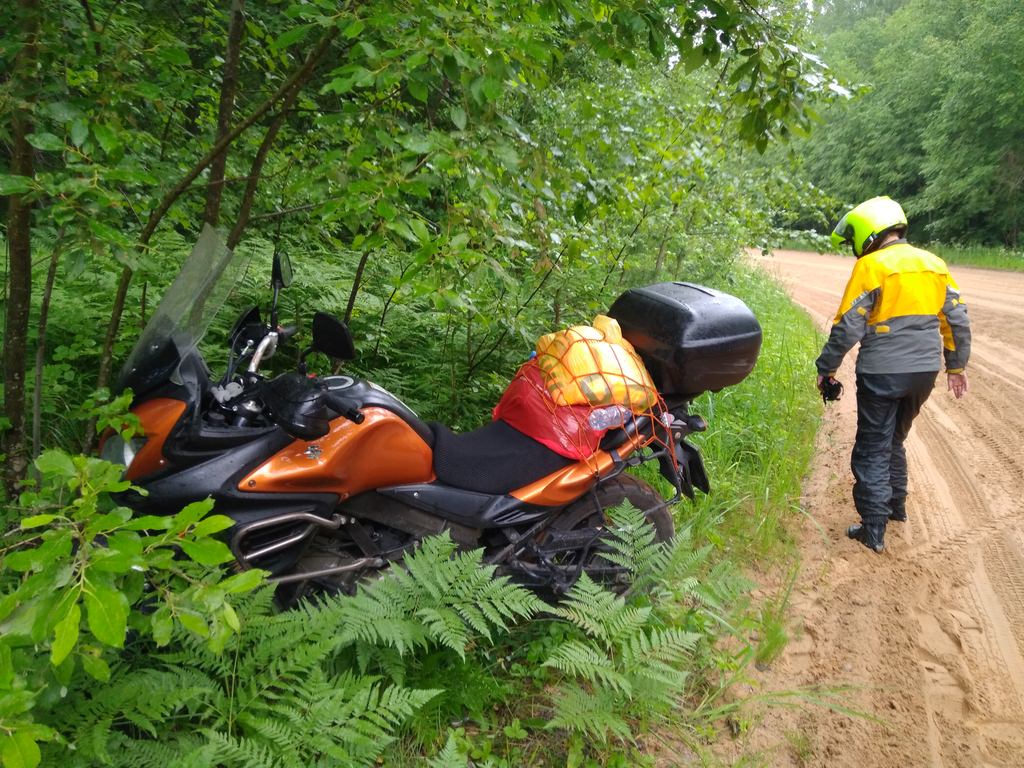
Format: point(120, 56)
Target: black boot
point(871, 535)
point(898, 511)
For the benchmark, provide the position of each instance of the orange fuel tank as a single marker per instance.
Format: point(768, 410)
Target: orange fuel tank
point(384, 450)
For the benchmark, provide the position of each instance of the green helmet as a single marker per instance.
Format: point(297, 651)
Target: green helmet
point(866, 223)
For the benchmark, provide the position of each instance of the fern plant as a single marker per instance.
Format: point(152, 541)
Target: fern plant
point(319, 685)
point(633, 545)
point(625, 661)
point(622, 664)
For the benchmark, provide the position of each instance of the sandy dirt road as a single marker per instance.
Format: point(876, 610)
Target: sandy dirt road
point(930, 634)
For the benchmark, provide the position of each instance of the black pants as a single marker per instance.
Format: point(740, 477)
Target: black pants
point(886, 406)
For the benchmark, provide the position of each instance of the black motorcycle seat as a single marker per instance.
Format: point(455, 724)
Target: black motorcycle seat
point(494, 459)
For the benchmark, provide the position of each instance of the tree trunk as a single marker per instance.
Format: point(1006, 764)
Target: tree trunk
point(19, 244)
point(228, 88)
point(357, 282)
point(256, 171)
point(44, 314)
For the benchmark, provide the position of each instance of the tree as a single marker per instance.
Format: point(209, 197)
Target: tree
point(390, 125)
point(938, 125)
point(26, 22)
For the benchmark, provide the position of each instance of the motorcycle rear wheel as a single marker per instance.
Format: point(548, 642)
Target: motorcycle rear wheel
point(591, 513)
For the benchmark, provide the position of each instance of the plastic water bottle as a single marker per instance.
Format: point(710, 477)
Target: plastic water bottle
point(607, 418)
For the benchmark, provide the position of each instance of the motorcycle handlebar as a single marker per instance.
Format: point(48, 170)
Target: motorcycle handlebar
point(345, 408)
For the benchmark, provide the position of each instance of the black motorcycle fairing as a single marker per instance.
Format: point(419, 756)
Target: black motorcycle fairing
point(396, 513)
point(248, 329)
point(217, 476)
point(468, 508)
point(197, 437)
point(165, 355)
point(494, 459)
point(332, 337)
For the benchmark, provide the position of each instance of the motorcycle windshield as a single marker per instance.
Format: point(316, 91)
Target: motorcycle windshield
point(180, 320)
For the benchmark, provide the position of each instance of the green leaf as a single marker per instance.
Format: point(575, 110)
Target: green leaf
point(65, 635)
point(368, 50)
point(212, 524)
point(385, 210)
point(419, 229)
point(35, 521)
point(149, 523)
point(458, 115)
point(109, 234)
point(417, 143)
point(162, 626)
point(191, 515)
point(354, 29)
point(400, 227)
point(20, 751)
point(6, 667)
point(46, 142)
point(339, 85)
point(194, 623)
point(207, 551)
point(230, 617)
point(108, 522)
point(492, 88)
point(107, 138)
point(243, 582)
point(55, 462)
point(290, 37)
point(174, 54)
point(418, 90)
point(13, 184)
point(96, 667)
point(107, 613)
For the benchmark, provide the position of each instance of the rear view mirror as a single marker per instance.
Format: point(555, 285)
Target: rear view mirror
point(332, 337)
point(281, 271)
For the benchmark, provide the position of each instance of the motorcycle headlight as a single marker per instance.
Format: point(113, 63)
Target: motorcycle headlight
point(117, 450)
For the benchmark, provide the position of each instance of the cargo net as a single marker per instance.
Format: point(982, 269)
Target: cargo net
point(582, 382)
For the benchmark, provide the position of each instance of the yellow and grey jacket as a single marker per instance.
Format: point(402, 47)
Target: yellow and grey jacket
point(904, 308)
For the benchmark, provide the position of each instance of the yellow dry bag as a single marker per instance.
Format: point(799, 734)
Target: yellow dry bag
point(594, 365)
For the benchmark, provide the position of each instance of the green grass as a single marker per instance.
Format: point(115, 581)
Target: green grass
point(761, 433)
point(988, 257)
point(985, 256)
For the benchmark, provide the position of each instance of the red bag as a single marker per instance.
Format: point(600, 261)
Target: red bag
point(527, 407)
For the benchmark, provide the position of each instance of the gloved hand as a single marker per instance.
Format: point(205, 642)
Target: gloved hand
point(830, 388)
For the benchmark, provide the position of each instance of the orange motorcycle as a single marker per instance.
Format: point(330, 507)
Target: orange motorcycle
point(332, 478)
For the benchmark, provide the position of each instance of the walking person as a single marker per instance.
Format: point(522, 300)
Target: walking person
point(904, 309)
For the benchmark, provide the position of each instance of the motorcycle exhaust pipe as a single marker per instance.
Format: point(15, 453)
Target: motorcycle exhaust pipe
point(355, 565)
point(313, 522)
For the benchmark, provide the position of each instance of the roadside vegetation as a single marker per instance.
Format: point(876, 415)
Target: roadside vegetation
point(452, 187)
point(441, 660)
